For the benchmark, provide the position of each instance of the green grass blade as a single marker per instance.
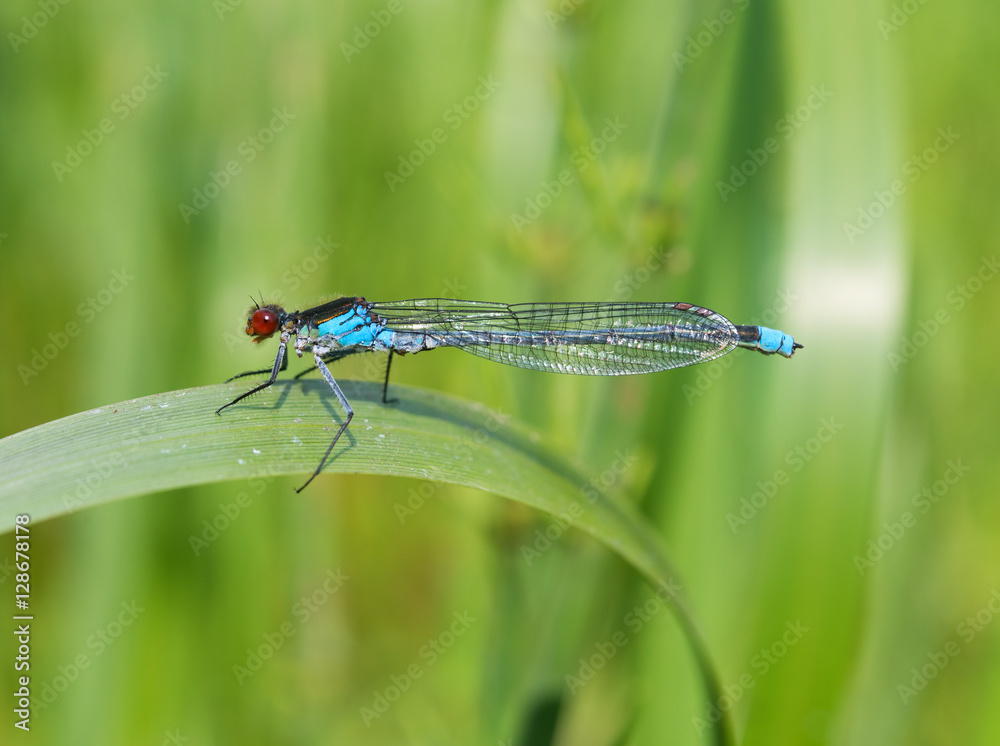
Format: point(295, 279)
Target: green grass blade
point(175, 439)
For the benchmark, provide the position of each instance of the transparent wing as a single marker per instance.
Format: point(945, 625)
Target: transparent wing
point(585, 338)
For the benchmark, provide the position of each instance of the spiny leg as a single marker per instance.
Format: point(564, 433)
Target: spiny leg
point(262, 371)
point(347, 409)
point(385, 386)
point(279, 365)
point(336, 355)
point(329, 358)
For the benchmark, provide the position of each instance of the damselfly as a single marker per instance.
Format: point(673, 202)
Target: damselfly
point(597, 339)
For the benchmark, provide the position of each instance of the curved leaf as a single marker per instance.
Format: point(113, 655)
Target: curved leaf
point(175, 439)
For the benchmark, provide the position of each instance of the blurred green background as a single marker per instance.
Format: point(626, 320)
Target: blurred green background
point(827, 169)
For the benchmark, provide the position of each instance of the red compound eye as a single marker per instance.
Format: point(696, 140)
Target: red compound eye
point(263, 323)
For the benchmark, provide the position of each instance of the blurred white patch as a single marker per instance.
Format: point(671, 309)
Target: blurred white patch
point(866, 293)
